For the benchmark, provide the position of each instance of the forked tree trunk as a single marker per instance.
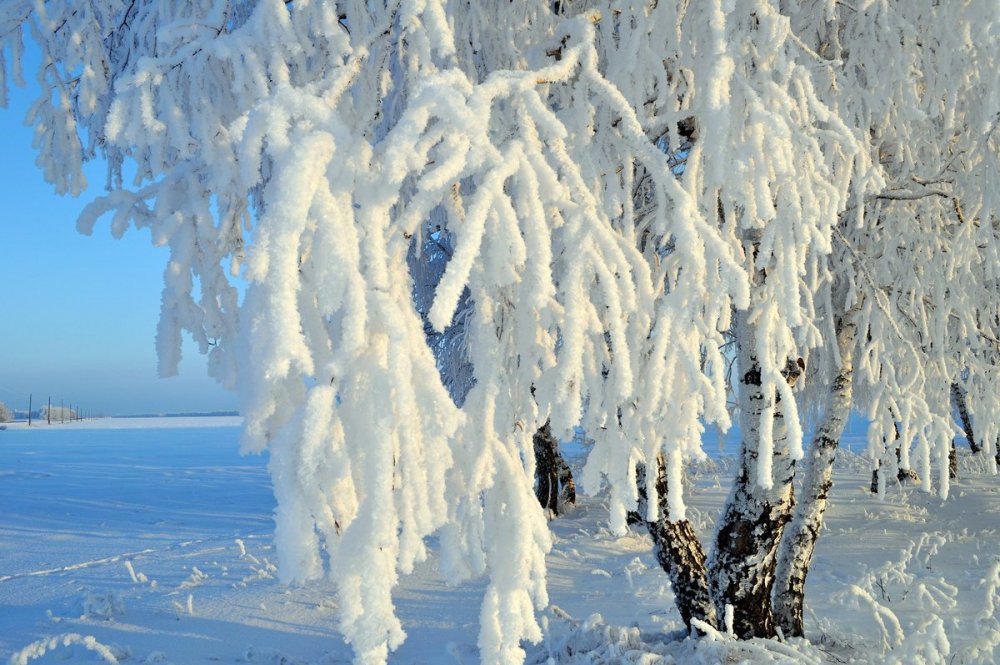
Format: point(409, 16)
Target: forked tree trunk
point(679, 552)
point(551, 472)
point(741, 567)
point(798, 543)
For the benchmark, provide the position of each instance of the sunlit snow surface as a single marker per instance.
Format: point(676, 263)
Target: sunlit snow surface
point(154, 537)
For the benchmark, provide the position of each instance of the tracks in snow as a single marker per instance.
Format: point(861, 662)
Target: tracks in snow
point(122, 557)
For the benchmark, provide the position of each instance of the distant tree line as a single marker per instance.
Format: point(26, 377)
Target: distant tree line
point(48, 412)
point(57, 413)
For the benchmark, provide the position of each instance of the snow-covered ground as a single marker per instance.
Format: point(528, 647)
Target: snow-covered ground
point(151, 542)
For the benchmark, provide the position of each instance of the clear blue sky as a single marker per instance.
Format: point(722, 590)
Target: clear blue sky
point(78, 314)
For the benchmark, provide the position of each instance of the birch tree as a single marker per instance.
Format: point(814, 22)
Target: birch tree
point(260, 135)
point(912, 290)
point(310, 149)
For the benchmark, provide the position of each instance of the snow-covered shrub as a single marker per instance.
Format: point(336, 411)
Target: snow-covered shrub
point(105, 606)
point(595, 642)
point(927, 644)
point(904, 583)
point(986, 647)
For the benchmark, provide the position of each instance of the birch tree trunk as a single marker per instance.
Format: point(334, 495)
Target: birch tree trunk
point(741, 567)
point(551, 472)
point(890, 462)
point(958, 395)
point(679, 552)
point(798, 543)
point(567, 486)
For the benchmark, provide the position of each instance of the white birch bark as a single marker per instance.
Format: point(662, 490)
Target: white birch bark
point(958, 395)
point(679, 552)
point(741, 568)
point(798, 542)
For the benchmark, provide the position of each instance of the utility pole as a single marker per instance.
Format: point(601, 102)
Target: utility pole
point(62, 413)
point(48, 412)
point(29, 409)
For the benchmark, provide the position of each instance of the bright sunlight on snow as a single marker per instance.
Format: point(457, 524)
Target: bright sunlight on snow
point(486, 278)
point(151, 541)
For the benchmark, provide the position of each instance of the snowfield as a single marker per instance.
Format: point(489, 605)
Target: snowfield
point(151, 541)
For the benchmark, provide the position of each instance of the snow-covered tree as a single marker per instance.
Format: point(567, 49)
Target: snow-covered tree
point(913, 287)
point(339, 158)
point(56, 413)
point(305, 145)
point(5, 413)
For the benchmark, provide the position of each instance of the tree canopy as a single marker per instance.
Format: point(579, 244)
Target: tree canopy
point(626, 186)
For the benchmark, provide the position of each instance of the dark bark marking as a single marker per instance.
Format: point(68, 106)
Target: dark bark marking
point(680, 554)
point(551, 471)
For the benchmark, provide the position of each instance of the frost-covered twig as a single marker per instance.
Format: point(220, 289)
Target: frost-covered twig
point(41, 647)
